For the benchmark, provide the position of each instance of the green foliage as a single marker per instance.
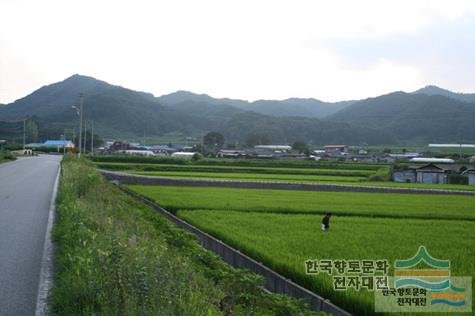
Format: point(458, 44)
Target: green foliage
point(31, 131)
point(213, 140)
point(457, 179)
point(6, 156)
point(115, 256)
point(255, 138)
point(301, 147)
point(197, 156)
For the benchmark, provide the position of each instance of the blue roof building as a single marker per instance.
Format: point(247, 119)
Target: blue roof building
point(59, 143)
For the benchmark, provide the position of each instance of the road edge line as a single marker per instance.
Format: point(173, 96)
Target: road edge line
point(46, 273)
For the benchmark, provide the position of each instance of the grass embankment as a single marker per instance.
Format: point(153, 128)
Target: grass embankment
point(289, 201)
point(115, 256)
point(6, 156)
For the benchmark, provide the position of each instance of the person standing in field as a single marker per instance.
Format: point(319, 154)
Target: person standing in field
point(326, 222)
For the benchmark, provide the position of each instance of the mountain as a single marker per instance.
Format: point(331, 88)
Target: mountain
point(121, 113)
point(186, 96)
point(116, 111)
point(279, 108)
point(415, 118)
point(434, 90)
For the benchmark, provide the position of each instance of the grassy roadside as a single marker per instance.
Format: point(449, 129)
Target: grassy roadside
point(5, 156)
point(115, 256)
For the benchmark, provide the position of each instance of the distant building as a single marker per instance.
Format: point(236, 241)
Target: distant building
point(274, 147)
point(432, 160)
point(432, 174)
point(470, 174)
point(58, 143)
point(183, 154)
point(400, 156)
point(405, 176)
point(135, 152)
point(226, 153)
point(336, 149)
point(116, 146)
point(472, 159)
point(428, 174)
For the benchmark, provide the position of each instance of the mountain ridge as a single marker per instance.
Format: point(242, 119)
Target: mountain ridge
point(118, 112)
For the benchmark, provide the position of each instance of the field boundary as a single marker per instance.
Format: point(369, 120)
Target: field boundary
point(126, 178)
point(274, 282)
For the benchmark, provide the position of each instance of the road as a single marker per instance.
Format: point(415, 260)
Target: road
point(26, 189)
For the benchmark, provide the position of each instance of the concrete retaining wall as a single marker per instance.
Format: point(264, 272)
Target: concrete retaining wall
point(125, 178)
point(274, 282)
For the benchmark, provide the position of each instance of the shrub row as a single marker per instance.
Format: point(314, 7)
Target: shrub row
point(239, 162)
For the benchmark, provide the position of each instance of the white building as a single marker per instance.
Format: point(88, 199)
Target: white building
point(183, 154)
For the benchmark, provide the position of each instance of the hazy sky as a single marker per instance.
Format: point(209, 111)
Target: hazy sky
point(330, 50)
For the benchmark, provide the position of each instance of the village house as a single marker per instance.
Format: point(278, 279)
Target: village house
point(470, 174)
point(336, 149)
point(428, 174)
point(228, 153)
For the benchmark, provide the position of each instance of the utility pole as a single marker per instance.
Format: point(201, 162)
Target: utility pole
point(92, 137)
point(85, 137)
point(24, 133)
point(144, 136)
point(81, 97)
point(64, 144)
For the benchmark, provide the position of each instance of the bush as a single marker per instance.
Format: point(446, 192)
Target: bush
point(457, 179)
point(6, 156)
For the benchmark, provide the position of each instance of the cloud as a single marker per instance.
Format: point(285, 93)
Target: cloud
point(443, 52)
point(245, 49)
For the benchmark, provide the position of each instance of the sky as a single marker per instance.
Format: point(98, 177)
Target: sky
point(259, 49)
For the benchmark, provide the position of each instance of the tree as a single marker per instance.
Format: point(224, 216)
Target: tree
point(98, 142)
point(31, 131)
point(254, 139)
point(301, 147)
point(213, 140)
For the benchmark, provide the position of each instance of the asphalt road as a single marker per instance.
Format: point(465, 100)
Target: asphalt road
point(26, 188)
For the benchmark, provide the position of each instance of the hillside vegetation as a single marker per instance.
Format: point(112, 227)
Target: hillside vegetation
point(397, 118)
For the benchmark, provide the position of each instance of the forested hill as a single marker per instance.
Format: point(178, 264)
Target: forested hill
point(417, 118)
point(121, 113)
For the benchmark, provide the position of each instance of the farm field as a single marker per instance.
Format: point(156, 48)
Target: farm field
point(290, 201)
point(281, 228)
point(303, 179)
point(236, 169)
point(252, 176)
point(329, 173)
point(285, 241)
point(253, 163)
